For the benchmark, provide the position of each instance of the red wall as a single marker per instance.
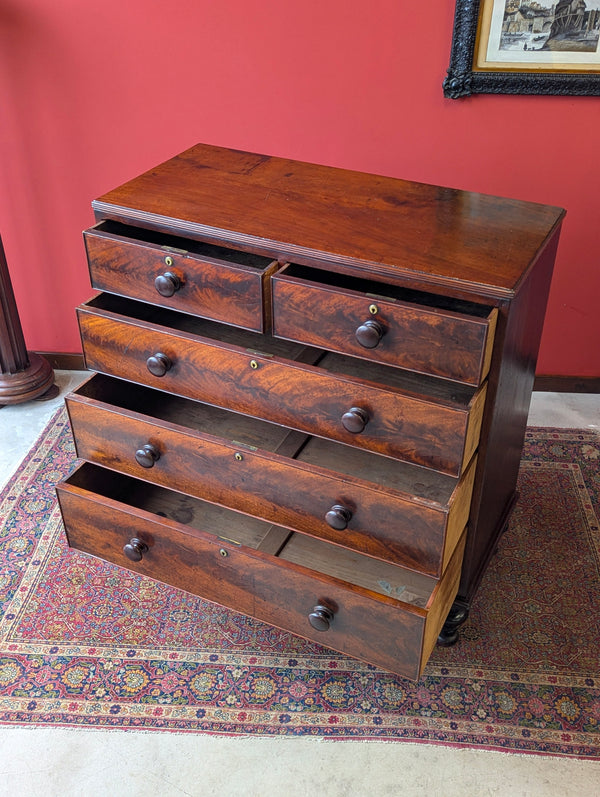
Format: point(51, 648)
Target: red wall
point(91, 94)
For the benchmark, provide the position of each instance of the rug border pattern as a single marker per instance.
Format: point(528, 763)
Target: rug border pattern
point(473, 732)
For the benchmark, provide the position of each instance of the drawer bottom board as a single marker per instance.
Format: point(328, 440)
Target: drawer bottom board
point(374, 611)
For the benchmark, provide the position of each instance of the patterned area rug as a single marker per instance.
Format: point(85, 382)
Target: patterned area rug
point(83, 643)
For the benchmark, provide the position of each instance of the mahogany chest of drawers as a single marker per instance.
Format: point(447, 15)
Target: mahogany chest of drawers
point(310, 392)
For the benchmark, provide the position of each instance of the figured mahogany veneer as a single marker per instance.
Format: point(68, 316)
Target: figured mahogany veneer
point(348, 315)
point(181, 274)
point(396, 512)
point(249, 374)
point(312, 392)
point(394, 625)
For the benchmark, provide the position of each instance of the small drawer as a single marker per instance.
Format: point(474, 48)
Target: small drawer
point(421, 332)
point(375, 505)
point(374, 611)
point(185, 275)
point(425, 421)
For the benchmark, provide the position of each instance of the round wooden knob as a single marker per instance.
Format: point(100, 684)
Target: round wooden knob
point(369, 334)
point(158, 364)
point(135, 549)
point(147, 455)
point(166, 284)
point(338, 517)
point(355, 420)
point(321, 618)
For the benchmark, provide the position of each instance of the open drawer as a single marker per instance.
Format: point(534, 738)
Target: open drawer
point(190, 276)
point(375, 611)
point(430, 422)
point(409, 329)
point(376, 505)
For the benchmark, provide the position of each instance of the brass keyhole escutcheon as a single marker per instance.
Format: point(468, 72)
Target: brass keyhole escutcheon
point(373, 309)
point(168, 260)
point(238, 456)
point(253, 364)
point(223, 552)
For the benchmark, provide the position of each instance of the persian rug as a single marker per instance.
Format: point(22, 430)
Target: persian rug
point(84, 643)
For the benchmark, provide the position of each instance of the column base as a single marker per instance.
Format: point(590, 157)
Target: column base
point(30, 383)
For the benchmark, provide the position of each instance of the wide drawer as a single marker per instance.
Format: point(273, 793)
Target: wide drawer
point(373, 504)
point(407, 329)
point(185, 275)
point(426, 421)
point(366, 608)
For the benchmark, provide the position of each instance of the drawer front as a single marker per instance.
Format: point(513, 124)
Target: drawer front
point(427, 340)
point(235, 293)
point(376, 628)
point(298, 396)
point(416, 533)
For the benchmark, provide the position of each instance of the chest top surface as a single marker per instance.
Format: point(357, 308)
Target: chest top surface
point(341, 219)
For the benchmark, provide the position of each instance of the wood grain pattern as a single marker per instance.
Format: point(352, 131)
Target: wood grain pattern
point(510, 382)
point(394, 515)
point(370, 626)
point(393, 301)
point(441, 600)
point(425, 339)
point(216, 285)
point(399, 230)
point(473, 431)
point(298, 396)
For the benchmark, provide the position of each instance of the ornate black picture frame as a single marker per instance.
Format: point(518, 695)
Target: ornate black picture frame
point(465, 77)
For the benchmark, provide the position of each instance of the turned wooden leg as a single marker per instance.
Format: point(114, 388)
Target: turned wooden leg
point(23, 375)
point(456, 617)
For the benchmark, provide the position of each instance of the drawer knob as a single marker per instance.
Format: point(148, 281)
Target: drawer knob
point(166, 284)
point(369, 334)
point(321, 618)
point(338, 517)
point(158, 364)
point(147, 455)
point(355, 420)
point(135, 549)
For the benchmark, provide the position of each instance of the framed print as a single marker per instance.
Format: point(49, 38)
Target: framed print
point(525, 47)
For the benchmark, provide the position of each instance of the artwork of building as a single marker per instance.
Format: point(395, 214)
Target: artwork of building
point(567, 25)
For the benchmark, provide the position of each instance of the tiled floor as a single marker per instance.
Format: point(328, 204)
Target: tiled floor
point(46, 762)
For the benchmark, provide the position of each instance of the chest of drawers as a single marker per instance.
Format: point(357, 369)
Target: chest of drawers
point(310, 392)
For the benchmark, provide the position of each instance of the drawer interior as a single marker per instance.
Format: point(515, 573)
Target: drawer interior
point(181, 245)
point(408, 382)
point(431, 388)
point(394, 293)
point(373, 574)
point(194, 325)
point(237, 429)
point(201, 518)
